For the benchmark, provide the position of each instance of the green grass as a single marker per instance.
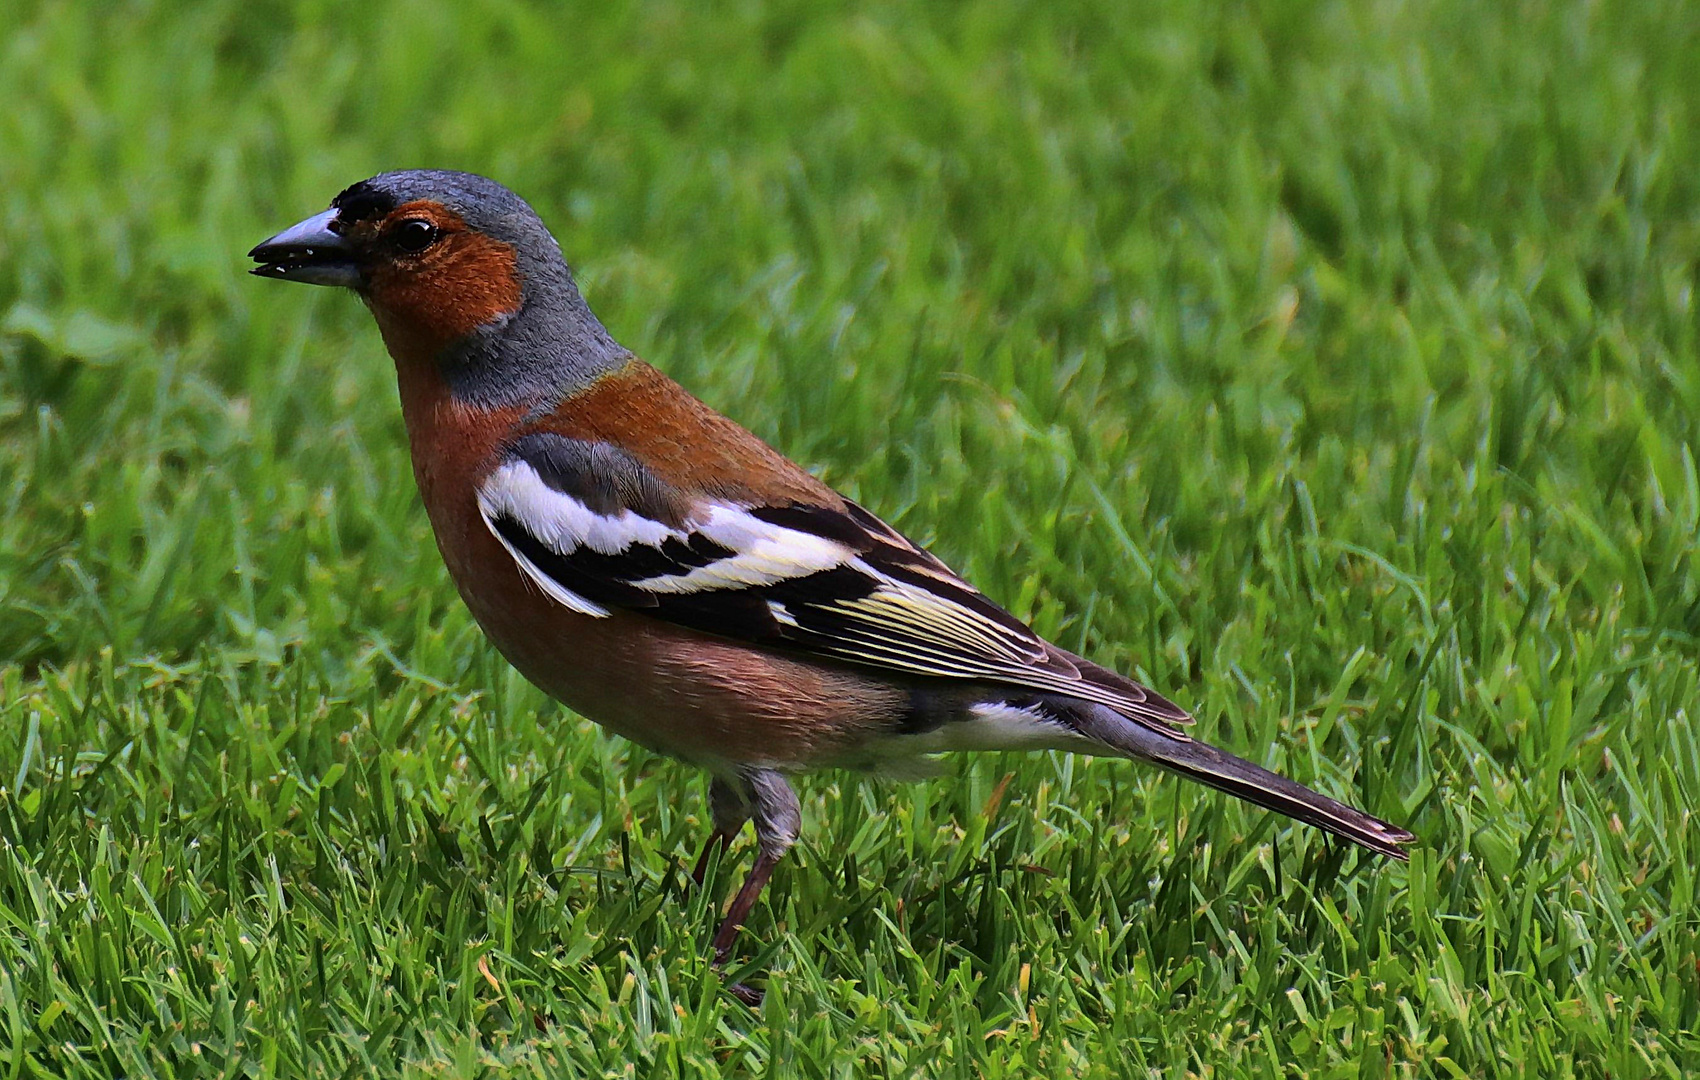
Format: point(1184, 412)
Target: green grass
point(1332, 366)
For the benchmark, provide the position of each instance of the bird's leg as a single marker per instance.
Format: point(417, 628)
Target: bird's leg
point(777, 817)
point(729, 809)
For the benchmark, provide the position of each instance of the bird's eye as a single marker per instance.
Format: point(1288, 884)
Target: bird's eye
point(414, 235)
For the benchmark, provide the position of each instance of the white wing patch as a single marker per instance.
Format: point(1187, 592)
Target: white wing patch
point(762, 553)
point(560, 521)
point(765, 554)
point(517, 491)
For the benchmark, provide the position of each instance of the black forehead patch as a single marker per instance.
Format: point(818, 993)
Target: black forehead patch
point(483, 204)
point(363, 202)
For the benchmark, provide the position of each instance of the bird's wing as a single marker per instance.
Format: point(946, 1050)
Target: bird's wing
point(596, 530)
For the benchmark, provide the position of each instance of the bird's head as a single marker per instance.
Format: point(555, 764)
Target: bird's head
point(459, 272)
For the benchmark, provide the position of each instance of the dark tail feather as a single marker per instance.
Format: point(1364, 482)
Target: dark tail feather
point(1223, 771)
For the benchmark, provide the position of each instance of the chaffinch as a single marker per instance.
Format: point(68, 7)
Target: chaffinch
point(659, 569)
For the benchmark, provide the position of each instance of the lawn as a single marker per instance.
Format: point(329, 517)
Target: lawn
point(1333, 367)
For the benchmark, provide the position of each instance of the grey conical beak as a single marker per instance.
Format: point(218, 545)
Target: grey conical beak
point(309, 252)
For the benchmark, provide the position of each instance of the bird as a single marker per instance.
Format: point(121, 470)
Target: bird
point(662, 571)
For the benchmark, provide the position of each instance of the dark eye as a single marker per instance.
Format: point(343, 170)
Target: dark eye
point(414, 235)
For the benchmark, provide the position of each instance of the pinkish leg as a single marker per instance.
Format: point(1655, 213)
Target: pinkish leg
point(741, 905)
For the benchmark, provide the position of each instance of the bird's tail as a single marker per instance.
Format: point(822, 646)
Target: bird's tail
point(1223, 771)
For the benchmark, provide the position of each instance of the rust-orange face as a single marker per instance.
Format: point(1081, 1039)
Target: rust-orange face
point(430, 276)
point(468, 286)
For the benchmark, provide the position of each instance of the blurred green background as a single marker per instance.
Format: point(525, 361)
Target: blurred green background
point(1332, 366)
